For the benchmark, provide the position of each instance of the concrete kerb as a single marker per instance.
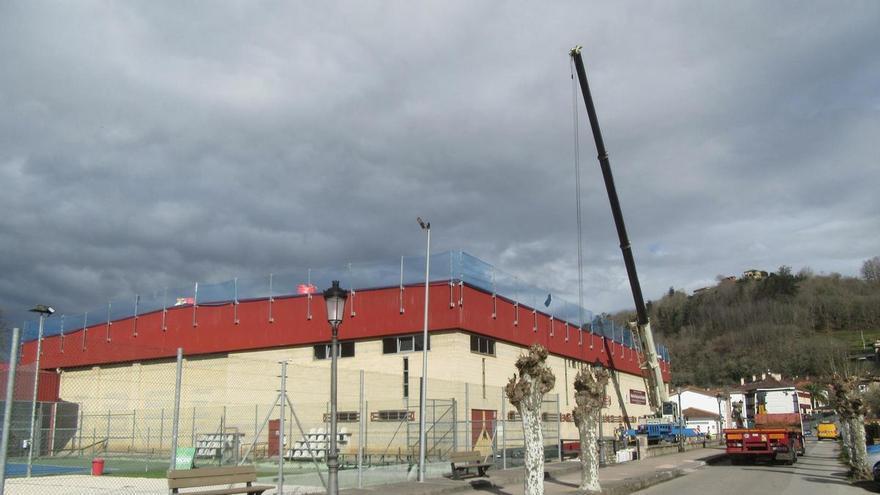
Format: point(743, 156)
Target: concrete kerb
point(499, 479)
point(496, 479)
point(645, 480)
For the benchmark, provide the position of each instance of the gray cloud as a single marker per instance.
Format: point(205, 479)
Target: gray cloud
point(144, 145)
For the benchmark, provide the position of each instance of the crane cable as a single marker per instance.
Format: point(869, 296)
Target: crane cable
point(577, 182)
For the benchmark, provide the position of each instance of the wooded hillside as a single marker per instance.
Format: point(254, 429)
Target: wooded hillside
point(797, 324)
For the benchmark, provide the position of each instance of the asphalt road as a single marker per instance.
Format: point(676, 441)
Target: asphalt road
point(817, 473)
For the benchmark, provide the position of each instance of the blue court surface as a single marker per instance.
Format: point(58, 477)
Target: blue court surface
point(19, 470)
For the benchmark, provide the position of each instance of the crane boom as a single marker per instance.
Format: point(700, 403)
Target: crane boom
point(657, 394)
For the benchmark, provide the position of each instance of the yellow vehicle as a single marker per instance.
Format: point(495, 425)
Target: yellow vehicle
point(826, 430)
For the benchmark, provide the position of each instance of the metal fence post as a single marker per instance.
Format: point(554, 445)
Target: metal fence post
point(81, 427)
point(467, 416)
point(162, 428)
point(454, 425)
point(367, 427)
point(503, 430)
point(51, 440)
point(175, 422)
point(133, 426)
point(360, 456)
point(283, 402)
point(559, 425)
point(7, 407)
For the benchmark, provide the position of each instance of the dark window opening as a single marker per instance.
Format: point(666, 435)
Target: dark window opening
point(344, 417)
point(405, 378)
point(343, 350)
point(406, 343)
point(483, 345)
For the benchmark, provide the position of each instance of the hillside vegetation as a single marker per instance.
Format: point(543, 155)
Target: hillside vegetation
point(797, 324)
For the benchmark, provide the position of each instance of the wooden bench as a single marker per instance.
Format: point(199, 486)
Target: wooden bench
point(213, 476)
point(463, 462)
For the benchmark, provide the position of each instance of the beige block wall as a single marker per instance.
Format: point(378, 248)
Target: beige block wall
point(241, 387)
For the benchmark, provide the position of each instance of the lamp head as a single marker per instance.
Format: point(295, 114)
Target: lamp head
point(424, 225)
point(43, 310)
point(335, 298)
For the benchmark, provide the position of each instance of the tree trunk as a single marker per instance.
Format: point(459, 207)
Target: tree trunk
point(590, 453)
point(846, 440)
point(527, 395)
point(859, 460)
point(533, 436)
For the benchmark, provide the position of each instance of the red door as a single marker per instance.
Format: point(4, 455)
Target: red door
point(273, 436)
point(482, 425)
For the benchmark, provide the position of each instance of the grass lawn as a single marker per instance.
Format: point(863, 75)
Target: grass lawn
point(853, 338)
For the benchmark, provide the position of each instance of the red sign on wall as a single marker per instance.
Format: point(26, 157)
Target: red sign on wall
point(638, 397)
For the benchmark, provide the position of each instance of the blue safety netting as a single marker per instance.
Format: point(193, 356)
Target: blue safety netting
point(455, 266)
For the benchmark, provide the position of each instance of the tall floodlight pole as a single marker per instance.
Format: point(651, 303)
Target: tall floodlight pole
point(426, 226)
point(335, 298)
point(7, 407)
point(44, 312)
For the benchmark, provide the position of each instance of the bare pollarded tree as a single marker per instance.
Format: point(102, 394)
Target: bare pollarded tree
point(526, 393)
point(850, 407)
point(589, 385)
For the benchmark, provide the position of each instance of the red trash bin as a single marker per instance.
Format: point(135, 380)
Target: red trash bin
point(97, 466)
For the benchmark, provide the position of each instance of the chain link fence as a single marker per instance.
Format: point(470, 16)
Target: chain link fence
point(122, 416)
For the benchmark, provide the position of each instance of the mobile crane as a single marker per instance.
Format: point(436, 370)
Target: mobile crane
point(658, 398)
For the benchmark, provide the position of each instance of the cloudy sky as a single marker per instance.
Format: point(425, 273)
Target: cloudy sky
point(145, 144)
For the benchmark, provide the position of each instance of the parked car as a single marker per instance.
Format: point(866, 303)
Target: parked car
point(827, 430)
point(874, 460)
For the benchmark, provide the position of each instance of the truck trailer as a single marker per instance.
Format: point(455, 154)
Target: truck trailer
point(777, 433)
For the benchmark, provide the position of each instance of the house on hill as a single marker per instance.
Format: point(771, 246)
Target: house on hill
point(754, 274)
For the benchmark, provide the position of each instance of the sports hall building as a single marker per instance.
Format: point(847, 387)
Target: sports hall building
point(115, 372)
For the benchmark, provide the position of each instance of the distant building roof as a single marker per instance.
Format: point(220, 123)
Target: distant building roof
point(708, 392)
point(694, 413)
point(768, 382)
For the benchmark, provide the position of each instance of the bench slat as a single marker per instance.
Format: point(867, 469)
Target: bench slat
point(230, 491)
point(473, 455)
point(463, 462)
point(211, 476)
point(210, 471)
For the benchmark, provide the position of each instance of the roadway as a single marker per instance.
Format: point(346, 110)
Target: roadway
point(817, 473)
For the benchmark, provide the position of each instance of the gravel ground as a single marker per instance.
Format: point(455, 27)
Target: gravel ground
point(108, 485)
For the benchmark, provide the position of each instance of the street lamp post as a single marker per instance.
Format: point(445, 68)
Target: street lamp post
point(680, 424)
point(426, 226)
point(720, 420)
point(335, 298)
point(44, 312)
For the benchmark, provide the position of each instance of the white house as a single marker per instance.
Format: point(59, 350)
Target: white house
point(703, 406)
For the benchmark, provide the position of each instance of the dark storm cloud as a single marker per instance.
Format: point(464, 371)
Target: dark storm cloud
point(144, 145)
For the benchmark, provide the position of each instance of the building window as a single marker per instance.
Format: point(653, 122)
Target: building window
point(483, 345)
point(393, 415)
point(545, 416)
point(343, 349)
point(549, 417)
point(344, 417)
point(405, 378)
point(405, 343)
point(573, 363)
